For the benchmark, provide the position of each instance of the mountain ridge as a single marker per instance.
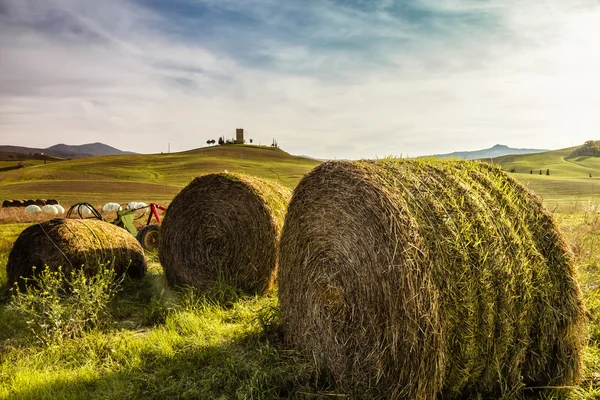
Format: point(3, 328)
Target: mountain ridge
point(62, 150)
point(497, 150)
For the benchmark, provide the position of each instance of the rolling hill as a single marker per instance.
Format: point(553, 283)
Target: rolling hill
point(570, 180)
point(146, 177)
point(68, 151)
point(158, 177)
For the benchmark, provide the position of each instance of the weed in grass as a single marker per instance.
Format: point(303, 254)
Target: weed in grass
point(57, 307)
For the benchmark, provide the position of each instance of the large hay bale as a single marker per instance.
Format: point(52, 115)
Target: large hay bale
point(74, 244)
point(224, 227)
point(418, 279)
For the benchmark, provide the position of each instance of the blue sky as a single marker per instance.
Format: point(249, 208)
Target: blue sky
point(329, 78)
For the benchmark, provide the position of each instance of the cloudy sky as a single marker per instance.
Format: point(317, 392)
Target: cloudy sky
point(326, 78)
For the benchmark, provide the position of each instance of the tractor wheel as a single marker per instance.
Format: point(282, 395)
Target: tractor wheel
point(148, 237)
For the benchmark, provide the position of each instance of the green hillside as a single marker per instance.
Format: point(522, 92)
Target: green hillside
point(158, 177)
point(148, 177)
point(569, 180)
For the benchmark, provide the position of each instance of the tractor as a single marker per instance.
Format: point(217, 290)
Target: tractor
point(147, 234)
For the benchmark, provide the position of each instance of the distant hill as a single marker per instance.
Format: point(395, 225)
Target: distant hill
point(498, 150)
point(68, 151)
point(146, 177)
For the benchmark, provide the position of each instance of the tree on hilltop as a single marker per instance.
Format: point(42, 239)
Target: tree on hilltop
point(591, 148)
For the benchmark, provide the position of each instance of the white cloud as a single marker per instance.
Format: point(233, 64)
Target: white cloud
point(83, 71)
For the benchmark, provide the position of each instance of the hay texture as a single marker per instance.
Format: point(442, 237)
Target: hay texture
point(74, 244)
point(224, 227)
point(423, 279)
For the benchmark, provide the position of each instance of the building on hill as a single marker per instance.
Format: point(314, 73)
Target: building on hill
point(239, 136)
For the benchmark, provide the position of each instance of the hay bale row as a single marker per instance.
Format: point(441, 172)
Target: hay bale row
point(421, 279)
point(224, 227)
point(74, 244)
point(25, 203)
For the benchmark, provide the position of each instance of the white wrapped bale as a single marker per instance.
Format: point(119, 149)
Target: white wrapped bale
point(50, 210)
point(111, 207)
point(84, 210)
point(135, 205)
point(33, 209)
point(59, 208)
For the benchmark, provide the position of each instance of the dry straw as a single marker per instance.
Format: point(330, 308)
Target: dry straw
point(424, 278)
point(74, 244)
point(224, 227)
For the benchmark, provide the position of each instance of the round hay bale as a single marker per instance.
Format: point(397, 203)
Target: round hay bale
point(428, 279)
point(33, 209)
point(52, 202)
point(18, 203)
point(7, 203)
point(27, 203)
point(74, 244)
point(40, 202)
point(224, 227)
point(59, 208)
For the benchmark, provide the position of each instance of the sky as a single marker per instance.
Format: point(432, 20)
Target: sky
point(325, 78)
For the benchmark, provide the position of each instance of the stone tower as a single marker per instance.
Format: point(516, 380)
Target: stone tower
point(239, 136)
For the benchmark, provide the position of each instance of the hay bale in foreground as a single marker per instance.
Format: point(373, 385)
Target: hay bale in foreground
point(224, 227)
point(427, 279)
point(74, 244)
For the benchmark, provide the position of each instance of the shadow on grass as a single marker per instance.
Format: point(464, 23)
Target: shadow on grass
point(247, 368)
point(176, 360)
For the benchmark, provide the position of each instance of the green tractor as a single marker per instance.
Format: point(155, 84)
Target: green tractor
point(146, 234)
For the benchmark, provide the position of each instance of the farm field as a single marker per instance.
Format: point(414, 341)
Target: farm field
point(148, 177)
point(157, 342)
point(569, 180)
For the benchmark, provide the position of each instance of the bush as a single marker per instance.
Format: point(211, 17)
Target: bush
point(591, 148)
point(58, 307)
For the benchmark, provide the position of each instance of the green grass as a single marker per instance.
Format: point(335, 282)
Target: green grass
point(148, 177)
point(163, 343)
point(160, 343)
point(569, 180)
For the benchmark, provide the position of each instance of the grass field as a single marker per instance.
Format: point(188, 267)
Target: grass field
point(149, 177)
point(156, 342)
point(569, 180)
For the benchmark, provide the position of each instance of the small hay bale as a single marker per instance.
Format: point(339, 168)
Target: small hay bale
point(224, 227)
point(425, 279)
point(74, 244)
